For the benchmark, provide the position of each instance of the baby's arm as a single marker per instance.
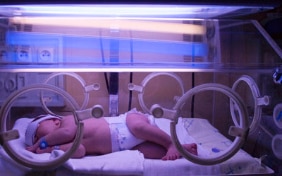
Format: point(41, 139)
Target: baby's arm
point(79, 153)
point(64, 134)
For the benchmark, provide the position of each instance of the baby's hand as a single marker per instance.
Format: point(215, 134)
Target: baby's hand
point(32, 148)
point(46, 150)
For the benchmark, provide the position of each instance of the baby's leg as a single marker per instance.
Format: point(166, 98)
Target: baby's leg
point(151, 150)
point(140, 127)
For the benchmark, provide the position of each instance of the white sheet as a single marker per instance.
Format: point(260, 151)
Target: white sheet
point(210, 143)
point(208, 139)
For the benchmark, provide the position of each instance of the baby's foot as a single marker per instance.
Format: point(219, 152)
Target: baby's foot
point(192, 148)
point(173, 153)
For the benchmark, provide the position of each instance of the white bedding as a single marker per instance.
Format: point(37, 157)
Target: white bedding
point(210, 142)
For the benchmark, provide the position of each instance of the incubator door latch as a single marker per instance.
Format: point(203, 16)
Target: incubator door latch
point(96, 112)
point(9, 135)
point(237, 131)
point(159, 112)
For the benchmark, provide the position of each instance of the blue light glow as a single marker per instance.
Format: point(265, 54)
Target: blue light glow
point(124, 45)
point(172, 11)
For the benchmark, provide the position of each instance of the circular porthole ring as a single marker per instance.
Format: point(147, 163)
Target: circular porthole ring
point(46, 165)
point(238, 141)
point(74, 75)
point(151, 76)
point(256, 96)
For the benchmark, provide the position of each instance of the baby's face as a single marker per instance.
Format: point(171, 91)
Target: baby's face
point(45, 127)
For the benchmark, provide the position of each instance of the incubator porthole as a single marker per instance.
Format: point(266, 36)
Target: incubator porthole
point(240, 130)
point(79, 79)
point(22, 156)
point(148, 85)
point(255, 108)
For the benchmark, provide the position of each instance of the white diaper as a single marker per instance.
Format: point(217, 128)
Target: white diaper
point(121, 137)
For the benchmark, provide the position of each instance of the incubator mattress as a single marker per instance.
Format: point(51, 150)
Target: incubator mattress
point(210, 142)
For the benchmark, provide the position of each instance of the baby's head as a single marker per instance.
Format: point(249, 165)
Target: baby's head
point(32, 128)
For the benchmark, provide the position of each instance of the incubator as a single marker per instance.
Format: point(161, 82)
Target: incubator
point(200, 66)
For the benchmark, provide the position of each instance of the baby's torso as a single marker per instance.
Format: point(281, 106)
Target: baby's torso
point(97, 137)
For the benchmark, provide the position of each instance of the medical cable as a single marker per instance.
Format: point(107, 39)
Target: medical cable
point(130, 92)
point(193, 97)
point(130, 74)
point(103, 60)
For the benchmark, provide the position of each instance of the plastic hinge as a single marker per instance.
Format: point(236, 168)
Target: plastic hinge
point(9, 135)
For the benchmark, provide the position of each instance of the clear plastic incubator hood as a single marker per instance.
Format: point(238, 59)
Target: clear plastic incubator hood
point(206, 74)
